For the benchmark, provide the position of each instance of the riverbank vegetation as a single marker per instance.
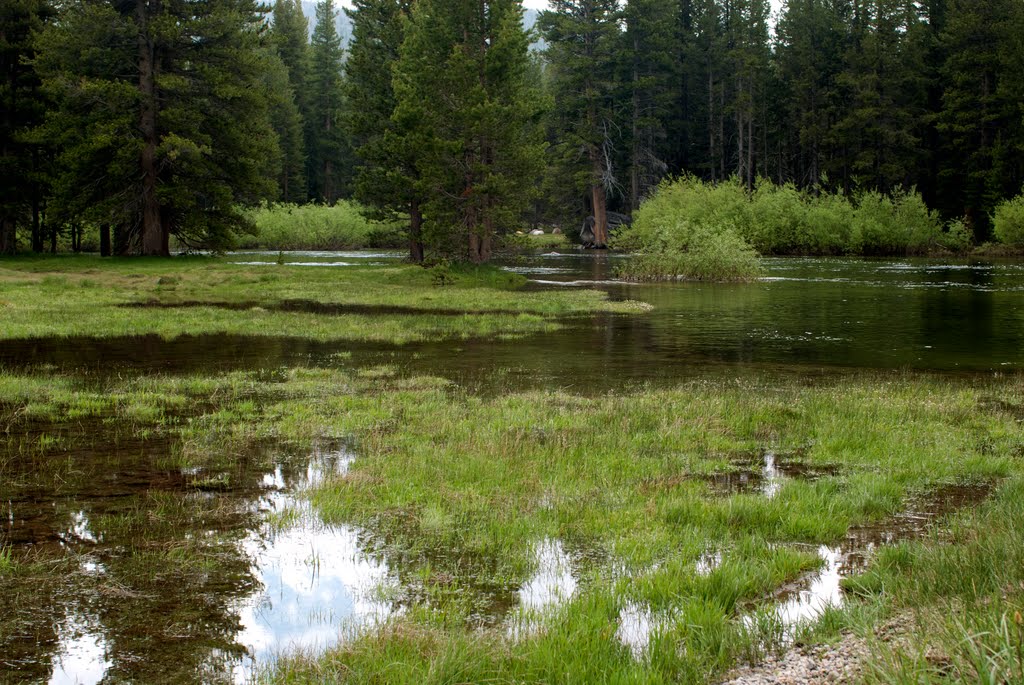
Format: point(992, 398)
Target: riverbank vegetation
point(1008, 222)
point(697, 230)
point(342, 226)
point(611, 99)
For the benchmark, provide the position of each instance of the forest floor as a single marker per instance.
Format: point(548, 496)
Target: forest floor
point(649, 535)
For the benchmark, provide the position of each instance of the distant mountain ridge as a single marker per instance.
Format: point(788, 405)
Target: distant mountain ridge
point(344, 24)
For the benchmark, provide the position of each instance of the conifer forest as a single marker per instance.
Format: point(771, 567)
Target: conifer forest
point(149, 120)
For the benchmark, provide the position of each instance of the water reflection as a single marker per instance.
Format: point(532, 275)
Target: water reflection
point(809, 317)
point(316, 581)
point(81, 658)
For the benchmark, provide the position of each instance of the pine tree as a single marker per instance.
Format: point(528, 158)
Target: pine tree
point(583, 37)
point(290, 38)
point(386, 178)
point(981, 119)
point(463, 72)
point(651, 77)
point(161, 118)
point(747, 63)
point(326, 141)
point(23, 179)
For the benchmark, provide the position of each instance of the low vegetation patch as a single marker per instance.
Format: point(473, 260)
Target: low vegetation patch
point(693, 229)
point(1008, 222)
point(88, 296)
point(342, 226)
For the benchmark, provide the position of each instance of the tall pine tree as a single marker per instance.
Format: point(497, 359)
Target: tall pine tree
point(326, 141)
point(386, 178)
point(463, 71)
point(583, 37)
point(22, 105)
point(162, 117)
point(290, 40)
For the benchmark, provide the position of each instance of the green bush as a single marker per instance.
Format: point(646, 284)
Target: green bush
point(710, 252)
point(318, 227)
point(1008, 221)
point(781, 220)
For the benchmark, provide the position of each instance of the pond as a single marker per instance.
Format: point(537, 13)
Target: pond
point(283, 580)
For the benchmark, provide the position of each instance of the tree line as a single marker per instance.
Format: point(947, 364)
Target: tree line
point(158, 118)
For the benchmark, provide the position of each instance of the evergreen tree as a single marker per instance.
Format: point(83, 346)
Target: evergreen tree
point(981, 117)
point(879, 129)
point(162, 117)
point(326, 141)
point(651, 78)
point(463, 72)
point(290, 38)
point(747, 62)
point(22, 158)
point(583, 39)
point(386, 178)
point(812, 40)
point(288, 124)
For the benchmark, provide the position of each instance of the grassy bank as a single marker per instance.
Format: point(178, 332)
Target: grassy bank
point(88, 296)
point(652, 502)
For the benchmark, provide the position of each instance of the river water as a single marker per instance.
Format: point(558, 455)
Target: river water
point(300, 584)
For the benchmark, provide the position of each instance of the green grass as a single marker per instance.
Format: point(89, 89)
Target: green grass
point(87, 296)
point(7, 563)
point(455, 491)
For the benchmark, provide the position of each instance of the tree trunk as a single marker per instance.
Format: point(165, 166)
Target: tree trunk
point(104, 240)
point(415, 232)
point(8, 235)
point(479, 248)
point(37, 228)
point(152, 238)
point(599, 203)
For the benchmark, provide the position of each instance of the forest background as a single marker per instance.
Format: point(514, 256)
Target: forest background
point(147, 122)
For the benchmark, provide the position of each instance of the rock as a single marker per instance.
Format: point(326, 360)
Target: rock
point(536, 231)
point(556, 231)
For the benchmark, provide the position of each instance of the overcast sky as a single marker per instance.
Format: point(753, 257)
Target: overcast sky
point(542, 4)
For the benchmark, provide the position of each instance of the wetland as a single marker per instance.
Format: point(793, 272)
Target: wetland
point(229, 469)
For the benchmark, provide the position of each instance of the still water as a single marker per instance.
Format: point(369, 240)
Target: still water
point(284, 580)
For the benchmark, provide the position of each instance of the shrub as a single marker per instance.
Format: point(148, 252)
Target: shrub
point(1008, 221)
point(712, 252)
point(318, 227)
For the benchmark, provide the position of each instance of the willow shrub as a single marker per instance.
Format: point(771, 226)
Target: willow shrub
point(318, 227)
point(777, 220)
point(1008, 221)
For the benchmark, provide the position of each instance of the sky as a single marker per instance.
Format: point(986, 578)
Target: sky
point(543, 5)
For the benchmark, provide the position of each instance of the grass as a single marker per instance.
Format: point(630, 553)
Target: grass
point(457, 492)
point(395, 303)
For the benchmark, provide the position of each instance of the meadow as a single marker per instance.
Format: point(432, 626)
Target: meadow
point(655, 500)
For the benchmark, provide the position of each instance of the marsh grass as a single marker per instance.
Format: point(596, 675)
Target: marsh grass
point(7, 563)
point(136, 298)
point(455, 491)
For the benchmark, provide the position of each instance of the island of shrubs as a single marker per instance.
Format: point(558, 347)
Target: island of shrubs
point(691, 229)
